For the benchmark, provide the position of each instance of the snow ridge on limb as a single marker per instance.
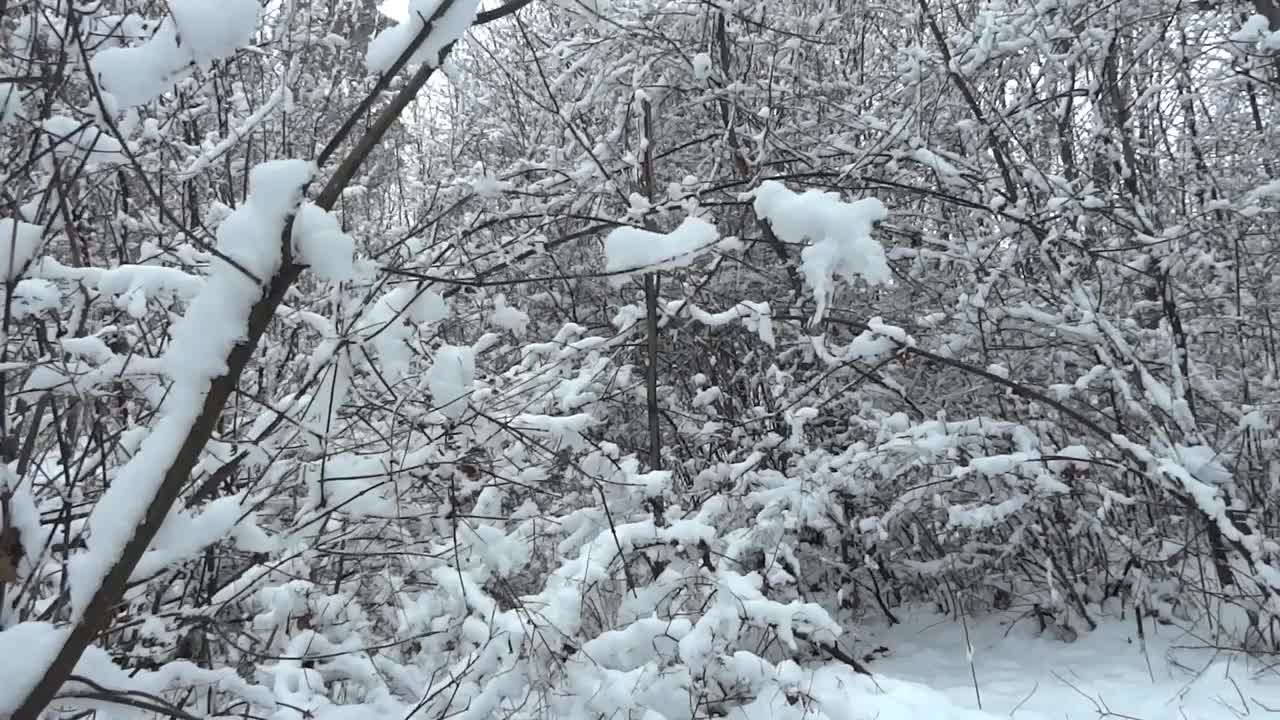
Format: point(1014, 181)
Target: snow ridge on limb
point(129, 515)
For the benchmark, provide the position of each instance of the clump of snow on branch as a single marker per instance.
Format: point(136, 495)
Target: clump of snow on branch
point(451, 377)
point(251, 238)
point(184, 534)
point(756, 316)
point(318, 241)
point(632, 250)
point(508, 317)
point(197, 33)
point(34, 296)
point(352, 484)
point(702, 66)
point(26, 649)
point(70, 137)
point(946, 171)
point(392, 322)
point(1256, 29)
point(130, 286)
point(839, 233)
point(445, 29)
point(19, 242)
point(214, 29)
point(567, 430)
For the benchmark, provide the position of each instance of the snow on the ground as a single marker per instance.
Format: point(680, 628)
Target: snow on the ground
point(1103, 674)
point(924, 675)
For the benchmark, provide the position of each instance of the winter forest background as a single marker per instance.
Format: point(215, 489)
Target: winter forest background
point(653, 359)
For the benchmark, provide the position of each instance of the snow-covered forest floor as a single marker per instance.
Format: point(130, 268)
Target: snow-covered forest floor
point(1018, 672)
point(924, 670)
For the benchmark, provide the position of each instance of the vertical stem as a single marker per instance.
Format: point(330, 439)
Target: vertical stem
point(651, 314)
point(651, 370)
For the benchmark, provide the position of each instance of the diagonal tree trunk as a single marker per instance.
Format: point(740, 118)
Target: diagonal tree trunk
point(98, 610)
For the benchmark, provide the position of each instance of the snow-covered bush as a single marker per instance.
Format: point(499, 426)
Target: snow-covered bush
point(585, 359)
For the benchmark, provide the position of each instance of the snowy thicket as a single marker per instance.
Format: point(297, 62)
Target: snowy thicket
point(626, 359)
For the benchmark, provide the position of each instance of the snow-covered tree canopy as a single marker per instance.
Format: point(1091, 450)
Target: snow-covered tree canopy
point(625, 358)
